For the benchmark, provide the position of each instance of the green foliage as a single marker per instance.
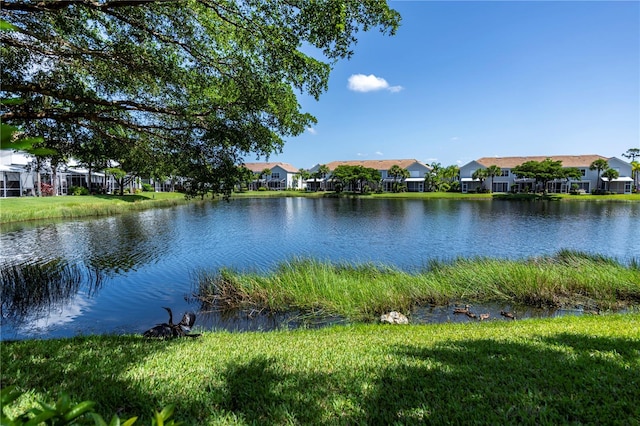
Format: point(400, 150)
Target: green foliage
point(78, 190)
point(356, 178)
point(173, 87)
point(64, 412)
point(543, 171)
point(146, 187)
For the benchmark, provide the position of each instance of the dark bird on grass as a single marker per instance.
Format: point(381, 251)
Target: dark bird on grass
point(483, 317)
point(168, 330)
point(507, 315)
point(464, 310)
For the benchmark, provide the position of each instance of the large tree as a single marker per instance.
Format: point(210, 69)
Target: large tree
point(493, 171)
point(207, 81)
point(542, 171)
point(397, 173)
point(610, 174)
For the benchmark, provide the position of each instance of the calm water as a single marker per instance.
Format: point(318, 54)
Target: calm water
point(147, 260)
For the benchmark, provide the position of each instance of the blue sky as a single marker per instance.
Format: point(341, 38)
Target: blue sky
point(464, 80)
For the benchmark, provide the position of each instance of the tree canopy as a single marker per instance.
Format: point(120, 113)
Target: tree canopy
point(203, 82)
point(545, 171)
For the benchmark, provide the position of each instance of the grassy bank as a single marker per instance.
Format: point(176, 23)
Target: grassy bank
point(69, 206)
point(442, 195)
point(553, 371)
point(363, 292)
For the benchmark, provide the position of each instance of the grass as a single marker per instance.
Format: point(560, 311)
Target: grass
point(363, 292)
point(554, 371)
point(69, 206)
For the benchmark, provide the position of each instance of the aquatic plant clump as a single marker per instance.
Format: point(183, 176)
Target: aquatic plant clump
point(363, 292)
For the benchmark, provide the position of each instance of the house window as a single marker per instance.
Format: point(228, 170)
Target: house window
point(500, 187)
point(583, 172)
point(505, 172)
point(275, 175)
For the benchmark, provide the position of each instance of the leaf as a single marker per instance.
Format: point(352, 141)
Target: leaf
point(6, 26)
point(79, 410)
point(12, 101)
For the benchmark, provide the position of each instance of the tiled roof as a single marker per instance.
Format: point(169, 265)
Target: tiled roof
point(374, 164)
point(567, 160)
point(258, 167)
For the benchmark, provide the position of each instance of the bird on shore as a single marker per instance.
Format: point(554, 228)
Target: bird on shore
point(507, 315)
point(167, 330)
point(472, 315)
point(483, 317)
point(464, 310)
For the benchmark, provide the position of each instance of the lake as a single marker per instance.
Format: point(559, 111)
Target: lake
point(133, 264)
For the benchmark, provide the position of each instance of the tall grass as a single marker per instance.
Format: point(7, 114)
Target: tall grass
point(361, 292)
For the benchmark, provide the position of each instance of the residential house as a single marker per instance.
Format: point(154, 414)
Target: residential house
point(508, 182)
point(282, 176)
point(414, 183)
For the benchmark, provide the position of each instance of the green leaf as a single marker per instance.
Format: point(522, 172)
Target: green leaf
point(6, 26)
point(78, 410)
point(12, 101)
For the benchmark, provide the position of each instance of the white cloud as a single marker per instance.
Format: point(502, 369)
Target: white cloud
point(379, 153)
point(312, 130)
point(361, 154)
point(370, 83)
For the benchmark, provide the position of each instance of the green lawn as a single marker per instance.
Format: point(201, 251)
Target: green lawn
point(70, 206)
point(578, 370)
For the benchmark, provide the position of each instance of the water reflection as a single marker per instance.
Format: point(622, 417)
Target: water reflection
point(148, 259)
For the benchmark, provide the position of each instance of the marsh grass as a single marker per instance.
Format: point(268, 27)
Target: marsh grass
point(566, 370)
point(362, 292)
point(69, 206)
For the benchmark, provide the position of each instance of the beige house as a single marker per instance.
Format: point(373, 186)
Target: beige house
point(508, 182)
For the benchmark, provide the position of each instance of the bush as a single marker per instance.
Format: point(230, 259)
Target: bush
point(78, 190)
point(147, 187)
point(64, 412)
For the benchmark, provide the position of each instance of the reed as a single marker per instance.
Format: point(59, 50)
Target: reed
point(362, 292)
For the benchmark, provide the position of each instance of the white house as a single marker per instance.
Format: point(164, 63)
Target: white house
point(508, 182)
point(282, 176)
point(414, 183)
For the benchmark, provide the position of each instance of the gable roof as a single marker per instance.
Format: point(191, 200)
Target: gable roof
point(258, 167)
point(567, 160)
point(375, 164)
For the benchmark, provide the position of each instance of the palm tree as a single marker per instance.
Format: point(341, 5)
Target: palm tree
point(599, 165)
point(322, 172)
point(610, 174)
point(396, 172)
point(635, 172)
point(265, 172)
point(493, 171)
point(303, 175)
point(481, 175)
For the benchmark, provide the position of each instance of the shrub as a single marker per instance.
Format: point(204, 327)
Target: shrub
point(147, 187)
point(78, 190)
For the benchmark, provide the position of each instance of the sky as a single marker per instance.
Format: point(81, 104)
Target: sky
point(465, 80)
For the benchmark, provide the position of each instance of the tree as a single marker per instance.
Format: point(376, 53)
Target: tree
point(397, 172)
point(266, 172)
point(355, 178)
point(212, 81)
point(493, 171)
point(302, 175)
point(610, 174)
point(321, 173)
point(481, 175)
point(542, 171)
point(635, 172)
point(632, 153)
point(599, 165)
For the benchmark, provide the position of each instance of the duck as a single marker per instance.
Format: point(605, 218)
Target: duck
point(472, 315)
point(169, 330)
point(483, 317)
point(464, 310)
point(507, 315)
